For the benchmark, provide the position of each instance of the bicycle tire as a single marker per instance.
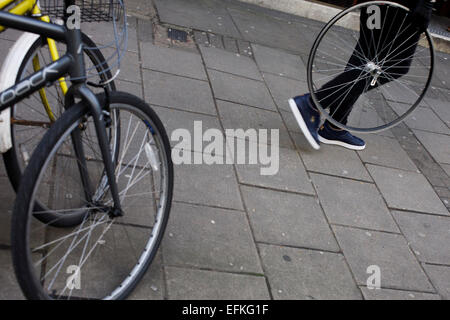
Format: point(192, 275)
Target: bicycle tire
point(22, 214)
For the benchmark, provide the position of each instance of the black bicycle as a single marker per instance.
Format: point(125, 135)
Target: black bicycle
point(94, 200)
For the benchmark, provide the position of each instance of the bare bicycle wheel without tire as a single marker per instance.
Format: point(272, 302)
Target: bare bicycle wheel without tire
point(370, 67)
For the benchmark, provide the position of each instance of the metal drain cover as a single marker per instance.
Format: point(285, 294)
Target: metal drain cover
point(178, 35)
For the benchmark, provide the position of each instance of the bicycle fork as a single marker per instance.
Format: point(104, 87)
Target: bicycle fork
point(78, 75)
point(102, 136)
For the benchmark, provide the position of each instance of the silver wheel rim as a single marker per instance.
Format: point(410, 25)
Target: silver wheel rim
point(313, 87)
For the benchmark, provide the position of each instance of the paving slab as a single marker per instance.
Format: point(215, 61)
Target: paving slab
point(2, 169)
point(11, 34)
point(398, 92)
point(192, 284)
point(202, 15)
point(287, 219)
point(421, 119)
point(290, 122)
point(442, 73)
point(151, 286)
point(337, 161)
point(389, 294)
point(282, 89)
point(306, 274)
point(353, 203)
point(390, 252)
point(427, 235)
point(4, 48)
point(236, 116)
point(206, 237)
point(7, 197)
point(201, 38)
point(406, 190)
point(178, 92)
point(175, 119)
point(387, 152)
point(144, 8)
point(230, 62)
point(215, 41)
point(175, 61)
point(129, 65)
point(291, 175)
point(230, 44)
point(253, 26)
point(446, 168)
point(129, 87)
point(440, 276)
point(10, 289)
point(279, 62)
point(445, 95)
point(213, 185)
point(301, 143)
point(233, 88)
point(441, 108)
point(367, 117)
point(102, 33)
point(436, 144)
point(244, 48)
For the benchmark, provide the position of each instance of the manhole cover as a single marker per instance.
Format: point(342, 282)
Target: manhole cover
point(178, 35)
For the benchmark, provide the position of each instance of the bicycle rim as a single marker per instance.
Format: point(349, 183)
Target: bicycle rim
point(376, 68)
point(110, 255)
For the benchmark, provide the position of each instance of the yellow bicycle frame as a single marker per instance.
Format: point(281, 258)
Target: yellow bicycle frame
point(31, 6)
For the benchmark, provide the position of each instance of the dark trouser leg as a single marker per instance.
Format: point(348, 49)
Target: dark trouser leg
point(341, 93)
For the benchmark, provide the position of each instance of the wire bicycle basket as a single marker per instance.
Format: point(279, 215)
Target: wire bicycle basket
point(91, 10)
point(110, 13)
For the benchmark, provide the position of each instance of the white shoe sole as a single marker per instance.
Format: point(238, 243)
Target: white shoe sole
point(342, 144)
point(302, 125)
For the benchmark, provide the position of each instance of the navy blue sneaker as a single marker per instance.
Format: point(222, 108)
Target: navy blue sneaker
point(340, 137)
point(307, 118)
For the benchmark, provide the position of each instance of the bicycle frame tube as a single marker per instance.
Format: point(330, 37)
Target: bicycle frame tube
point(40, 78)
point(73, 64)
point(20, 9)
point(33, 7)
point(34, 82)
point(32, 25)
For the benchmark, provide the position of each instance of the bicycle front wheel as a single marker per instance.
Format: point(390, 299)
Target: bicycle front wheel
point(103, 257)
point(370, 67)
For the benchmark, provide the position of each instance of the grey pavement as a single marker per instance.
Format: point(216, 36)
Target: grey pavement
point(312, 230)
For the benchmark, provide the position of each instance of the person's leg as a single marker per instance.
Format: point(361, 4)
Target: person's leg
point(395, 57)
point(398, 62)
point(308, 116)
point(340, 94)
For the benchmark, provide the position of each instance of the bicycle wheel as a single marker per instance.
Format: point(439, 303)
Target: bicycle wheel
point(103, 257)
point(370, 67)
point(29, 119)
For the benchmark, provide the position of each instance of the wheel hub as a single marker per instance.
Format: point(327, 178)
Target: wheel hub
point(374, 70)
